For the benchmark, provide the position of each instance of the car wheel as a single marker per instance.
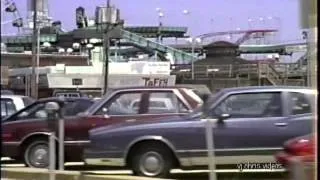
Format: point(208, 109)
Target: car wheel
point(36, 154)
point(152, 161)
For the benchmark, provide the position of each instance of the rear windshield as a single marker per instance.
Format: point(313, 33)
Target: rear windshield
point(7, 107)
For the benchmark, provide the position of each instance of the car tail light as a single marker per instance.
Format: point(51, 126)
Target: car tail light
point(302, 147)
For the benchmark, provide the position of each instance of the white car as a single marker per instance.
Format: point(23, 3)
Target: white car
point(13, 103)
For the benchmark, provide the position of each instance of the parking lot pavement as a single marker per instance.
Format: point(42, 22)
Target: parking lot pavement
point(177, 174)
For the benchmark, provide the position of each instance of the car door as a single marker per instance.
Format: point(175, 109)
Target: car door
point(252, 128)
point(114, 110)
point(29, 120)
point(300, 119)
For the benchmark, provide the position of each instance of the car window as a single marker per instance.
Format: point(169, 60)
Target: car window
point(165, 102)
point(121, 104)
point(27, 101)
point(300, 103)
point(73, 108)
point(7, 107)
point(250, 105)
point(31, 112)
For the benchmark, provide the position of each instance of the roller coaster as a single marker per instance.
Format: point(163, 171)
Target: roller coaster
point(254, 41)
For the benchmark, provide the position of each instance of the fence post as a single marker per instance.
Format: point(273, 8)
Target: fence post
point(210, 147)
point(52, 158)
point(61, 144)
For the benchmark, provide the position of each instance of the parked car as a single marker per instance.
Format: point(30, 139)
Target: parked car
point(24, 132)
point(302, 147)
point(13, 103)
point(6, 92)
point(64, 93)
point(251, 124)
point(156, 104)
point(22, 139)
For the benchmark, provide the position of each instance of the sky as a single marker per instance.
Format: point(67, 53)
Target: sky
point(205, 16)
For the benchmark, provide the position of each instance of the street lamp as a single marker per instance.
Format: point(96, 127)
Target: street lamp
point(262, 20)
point(278, 24)
point(76, 46)
point(61, 50)
point(45, 45)
point(160, 16)
point(69, 50)
point(105, 19)
point(249, 22)
point(89, 48)
point(194, 42)
point(186, 13)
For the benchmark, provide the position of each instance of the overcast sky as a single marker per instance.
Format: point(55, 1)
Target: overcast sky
point(205, 15)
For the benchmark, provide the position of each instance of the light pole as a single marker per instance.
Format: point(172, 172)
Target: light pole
point(186, 13)
point(262, 20)
point(45, 45)
point(160, 16)
point(89, 48)
point(250, 21)
point(34, 89)
point(106, 18)
point(194, 42)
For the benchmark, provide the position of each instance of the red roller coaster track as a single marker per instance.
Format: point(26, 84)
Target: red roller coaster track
point(246, 36)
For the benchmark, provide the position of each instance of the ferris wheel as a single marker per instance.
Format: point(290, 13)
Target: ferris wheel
point(10, 17)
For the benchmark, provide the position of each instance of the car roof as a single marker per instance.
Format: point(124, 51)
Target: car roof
point(258, 88)
point(64, 99)
point(148, 87)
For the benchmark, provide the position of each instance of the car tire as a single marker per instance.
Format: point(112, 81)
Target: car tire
point(152, 161)
point(36, 154)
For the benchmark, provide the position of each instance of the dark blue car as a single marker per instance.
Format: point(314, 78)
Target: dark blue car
point(250, 125)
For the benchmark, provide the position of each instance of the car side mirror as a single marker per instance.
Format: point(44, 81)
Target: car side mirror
point(105, 112)
point(223, 117)
point(41, 114)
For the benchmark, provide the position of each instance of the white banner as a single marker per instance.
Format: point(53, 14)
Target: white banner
point(115, 81)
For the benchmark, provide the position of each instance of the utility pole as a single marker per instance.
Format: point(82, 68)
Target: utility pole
point(106, 45)
point(106, 40)
point(34, 87)
point(106, 19)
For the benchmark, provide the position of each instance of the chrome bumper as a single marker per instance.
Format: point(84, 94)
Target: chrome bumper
point(105, 161)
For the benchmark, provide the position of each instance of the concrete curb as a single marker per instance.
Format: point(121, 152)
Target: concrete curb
point(43, 174)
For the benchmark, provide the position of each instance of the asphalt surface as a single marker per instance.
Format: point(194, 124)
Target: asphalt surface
point(222, 174)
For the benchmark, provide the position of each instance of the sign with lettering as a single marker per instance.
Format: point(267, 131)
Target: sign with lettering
point(77, 81)
point(155, 82)
point(114, 80)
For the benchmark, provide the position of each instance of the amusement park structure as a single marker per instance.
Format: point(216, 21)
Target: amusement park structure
point(218, 57)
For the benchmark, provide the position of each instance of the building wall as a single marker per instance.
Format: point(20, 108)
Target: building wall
point(25, 60)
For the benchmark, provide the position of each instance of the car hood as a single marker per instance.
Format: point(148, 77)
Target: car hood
point(152, 122)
